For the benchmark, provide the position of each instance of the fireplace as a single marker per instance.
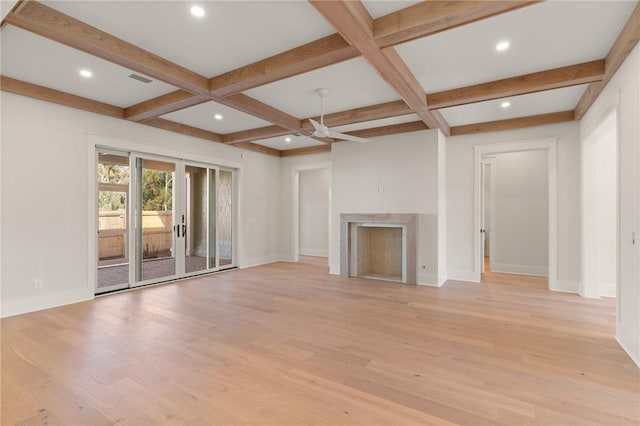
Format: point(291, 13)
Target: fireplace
point(379, 246)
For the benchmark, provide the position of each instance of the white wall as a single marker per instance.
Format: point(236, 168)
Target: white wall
point(623, 92)
point(521, 225)
point(45, 202)
point(314, 212)
point(460, 227)
point(607, 228)
point(391, 174)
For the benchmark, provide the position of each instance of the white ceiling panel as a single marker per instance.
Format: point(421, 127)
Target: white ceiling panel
point(564, 99)
point(377, 123)
point(6, 6)
point(203, 116)
point(296, 142)
point(378, 8)
point(37, 60)
point(351, 84)
point(543, 36)
point(230, 35)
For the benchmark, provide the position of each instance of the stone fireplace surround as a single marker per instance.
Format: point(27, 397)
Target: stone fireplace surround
point(407, 222)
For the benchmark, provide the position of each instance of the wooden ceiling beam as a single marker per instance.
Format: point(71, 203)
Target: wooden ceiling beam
point(352, 20)
point(163, 104)
point(393, 129)
point(259, 148)
point(305, 151)
point(316, 54)
point(358, 115)
point(513, 123)
point(11, 85)
point(431, 17)
point(529, 83)
point(254, 107)
point(184, 129)
point(254, 134)
point(47, 22)
point(624, 44)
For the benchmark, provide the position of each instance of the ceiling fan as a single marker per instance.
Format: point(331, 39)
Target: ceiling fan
point(323, 131)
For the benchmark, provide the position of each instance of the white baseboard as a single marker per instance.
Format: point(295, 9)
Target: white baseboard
point(442, 278)
point(454, 275)
point(565, 286)
point(428, 279)
point(313, 252)
point(608, 290)
point(334, 269)
point(44, 301)
point(506, 268)
point(257, 261)
point(629, 342)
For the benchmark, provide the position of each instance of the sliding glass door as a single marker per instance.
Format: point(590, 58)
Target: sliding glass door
point(157, 230)
point(167, 219)
point(113, 179)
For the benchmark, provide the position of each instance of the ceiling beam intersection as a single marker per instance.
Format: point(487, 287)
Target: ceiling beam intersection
point(352, 20)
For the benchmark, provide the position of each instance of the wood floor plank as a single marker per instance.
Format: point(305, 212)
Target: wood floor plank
point(288, 344)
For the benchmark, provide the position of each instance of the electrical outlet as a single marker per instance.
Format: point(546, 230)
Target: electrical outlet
point(37, 283)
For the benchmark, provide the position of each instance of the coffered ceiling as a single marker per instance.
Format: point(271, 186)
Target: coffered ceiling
point(245, 72)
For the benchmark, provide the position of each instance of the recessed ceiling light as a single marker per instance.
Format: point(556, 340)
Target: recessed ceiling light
point(86, 73)
point(288, 140)
point(197, 11)
point(505, 104)
point(218, 116)
point(502, 46)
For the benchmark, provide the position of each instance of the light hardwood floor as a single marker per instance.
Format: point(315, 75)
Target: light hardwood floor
point(287, 344)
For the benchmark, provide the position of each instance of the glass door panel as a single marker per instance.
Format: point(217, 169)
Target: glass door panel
point(213, 249)
point(225, 218)
point(112, 206)
point(156, 229)
point(197, 219)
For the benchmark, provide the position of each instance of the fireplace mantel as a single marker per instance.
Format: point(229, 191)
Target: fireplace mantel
point(406, 221)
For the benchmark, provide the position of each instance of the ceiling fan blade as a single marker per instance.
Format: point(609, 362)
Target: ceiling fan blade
point(321, 131)
point(336, 135)
point(315, 124)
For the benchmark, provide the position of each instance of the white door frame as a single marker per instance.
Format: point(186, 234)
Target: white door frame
point(295, 206)
point(588, 138)
point(479, 151)
point(491, 162)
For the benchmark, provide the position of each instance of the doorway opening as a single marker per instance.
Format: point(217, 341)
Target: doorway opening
point(600, 210)
point(515, 210)
point(311, 213)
